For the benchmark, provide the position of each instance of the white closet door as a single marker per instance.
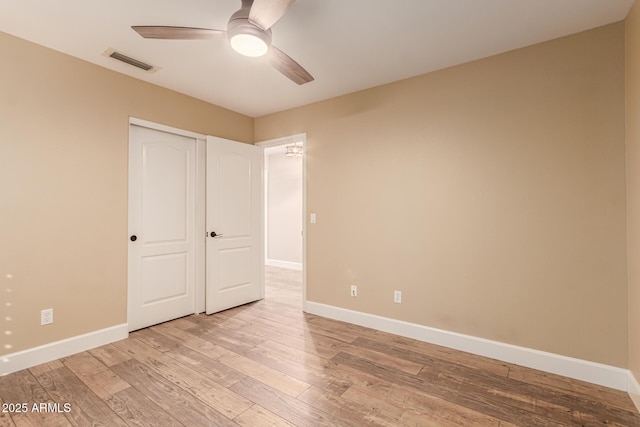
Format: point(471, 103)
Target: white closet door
point(162, 226)
point(234, 220)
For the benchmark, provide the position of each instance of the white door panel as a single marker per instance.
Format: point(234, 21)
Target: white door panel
point(164, 277)
point(234, 181)
point(235, 272)
point(162, 198)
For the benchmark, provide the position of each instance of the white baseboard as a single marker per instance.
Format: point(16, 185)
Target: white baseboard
point(284, 264)
point(46, 353)
point(596, 373)
point(633, 388)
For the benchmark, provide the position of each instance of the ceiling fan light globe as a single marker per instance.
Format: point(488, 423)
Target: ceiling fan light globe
point(246, 38)
point(249, 45)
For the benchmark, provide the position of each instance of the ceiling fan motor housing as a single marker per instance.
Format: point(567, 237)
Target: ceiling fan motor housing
point(239, 25)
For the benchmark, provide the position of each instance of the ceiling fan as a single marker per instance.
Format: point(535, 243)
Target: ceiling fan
point(248, 32)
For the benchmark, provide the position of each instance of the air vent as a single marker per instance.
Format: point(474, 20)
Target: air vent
point(119, 56)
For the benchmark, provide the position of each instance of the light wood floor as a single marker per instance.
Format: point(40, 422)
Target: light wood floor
point(267, 363)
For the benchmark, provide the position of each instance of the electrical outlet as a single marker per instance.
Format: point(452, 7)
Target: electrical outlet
point(46, 316)
point(354, 291)
point(397, 297)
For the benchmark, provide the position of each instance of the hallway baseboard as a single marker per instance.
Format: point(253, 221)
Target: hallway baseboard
point(284, 264)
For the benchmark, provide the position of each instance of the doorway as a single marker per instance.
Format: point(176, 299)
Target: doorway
point(285, 206)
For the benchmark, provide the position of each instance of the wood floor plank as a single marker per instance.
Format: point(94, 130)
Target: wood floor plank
point(553, 404)
point(142, 352)
point(236, 340)
point(109, 355)
point(303, 372)
point(85, 408)
point(218, 321)
point(275, 318)
point(170, 397)
point(253, 317)
point(137, 410)
point(188, 340)
point(45, 367)
point(526, 396)
point(310, 362)
point(353, 413)
point(293, 410)
point(95, 375)
point(478, 403)
point(324, 325)
point(5, 417)
point(504, 395)
point(270, 315)
point(208, 366)
point(334, 330)
point(385, 359)
point(308, 355)
point(590, 420)
point(316, 344)
point(84, 364)
point(374, 401)
point(22, 388)
point(208, 391)
point(503, 391)
point(182, 323)
point(104, 384)
point(473, 361)
point(418, 407)
point(278, 380)
point(156, 341)
point(580, 389)
point(258, 416)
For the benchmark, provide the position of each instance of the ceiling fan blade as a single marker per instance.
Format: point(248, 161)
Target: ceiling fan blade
point(176, 33)
point(265, 13)
point(287, 66)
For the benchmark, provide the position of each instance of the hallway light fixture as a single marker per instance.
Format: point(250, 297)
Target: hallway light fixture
point(294, 150)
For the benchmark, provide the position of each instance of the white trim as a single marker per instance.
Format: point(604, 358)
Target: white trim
point(201, 226)
point(633, 388)
point(284, 264)
point(596, 373)
point(56, 350)
point(165, 128)
point(299, 137)
point(304, 222)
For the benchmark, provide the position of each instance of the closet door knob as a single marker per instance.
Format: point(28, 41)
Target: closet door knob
point(133, 238)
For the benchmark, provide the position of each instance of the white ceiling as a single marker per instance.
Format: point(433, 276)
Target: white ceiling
point(347, 45)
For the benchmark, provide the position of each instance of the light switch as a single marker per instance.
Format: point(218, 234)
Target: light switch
point(313, 217)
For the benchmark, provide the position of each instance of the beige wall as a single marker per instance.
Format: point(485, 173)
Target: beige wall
point(632, 26)
point(492, 194)
point(63, 187)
